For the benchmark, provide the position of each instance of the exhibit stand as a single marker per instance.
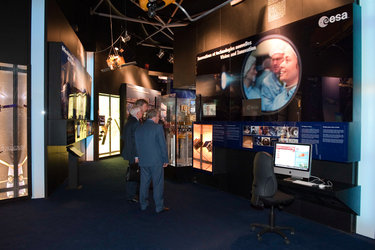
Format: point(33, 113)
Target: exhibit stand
point(68, 115)
point(73, 177)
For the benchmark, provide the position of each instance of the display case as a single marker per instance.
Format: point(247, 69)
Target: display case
point(14, 176)
point(109, 125)
point(178, 114)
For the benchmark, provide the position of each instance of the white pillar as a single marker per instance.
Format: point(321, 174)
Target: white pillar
point(90, 140)
point(37, 98)
point(366, 175)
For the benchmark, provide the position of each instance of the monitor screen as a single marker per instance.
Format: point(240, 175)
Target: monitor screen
point(209, 109)
point(293, 159)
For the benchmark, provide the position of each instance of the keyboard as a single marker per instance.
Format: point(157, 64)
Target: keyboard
point(305, 183)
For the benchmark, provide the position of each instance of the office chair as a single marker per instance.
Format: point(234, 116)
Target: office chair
point(265, 194)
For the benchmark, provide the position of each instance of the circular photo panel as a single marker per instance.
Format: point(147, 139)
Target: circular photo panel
point(272, 73)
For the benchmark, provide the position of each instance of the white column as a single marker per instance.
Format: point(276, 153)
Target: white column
point(90, 140)
point(366, 178)
point(37, 98)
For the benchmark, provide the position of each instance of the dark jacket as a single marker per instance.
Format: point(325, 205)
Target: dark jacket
point(151, 146)
point(129, 151)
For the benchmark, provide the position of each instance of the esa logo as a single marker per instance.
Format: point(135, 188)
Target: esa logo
point(324, 20)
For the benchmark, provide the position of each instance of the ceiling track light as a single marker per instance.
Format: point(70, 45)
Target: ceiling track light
point(160, 54)
point(171, 59)
point(126, 37)
point(235, 2)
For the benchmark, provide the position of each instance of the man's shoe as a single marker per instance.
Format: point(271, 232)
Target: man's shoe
point(134, 200)
point(165, 209)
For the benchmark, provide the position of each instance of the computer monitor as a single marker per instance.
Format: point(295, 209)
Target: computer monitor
point(293, 159)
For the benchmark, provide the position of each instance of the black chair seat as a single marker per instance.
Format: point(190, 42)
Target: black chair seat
point(279, 198)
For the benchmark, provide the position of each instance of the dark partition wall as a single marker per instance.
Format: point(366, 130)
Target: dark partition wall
point(15, 38)
point(61, 132)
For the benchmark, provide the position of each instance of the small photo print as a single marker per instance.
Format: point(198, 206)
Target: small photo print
point(247, 142)
point(266, 141)
point(257, 141)
point(254, 130)
point(293, 132)
point(265, 130)
point(246, 130)
point(281, 131)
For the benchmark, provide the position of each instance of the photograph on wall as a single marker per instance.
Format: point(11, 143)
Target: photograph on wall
point(272, 73)
point(247, 142)
point(299, 72)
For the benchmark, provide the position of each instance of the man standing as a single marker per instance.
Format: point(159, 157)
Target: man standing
point(153, 158)
point(129, 150)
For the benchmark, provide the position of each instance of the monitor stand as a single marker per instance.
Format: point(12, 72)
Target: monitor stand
point(293, 178)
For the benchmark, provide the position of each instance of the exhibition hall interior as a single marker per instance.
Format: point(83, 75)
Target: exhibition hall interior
point(266, 107)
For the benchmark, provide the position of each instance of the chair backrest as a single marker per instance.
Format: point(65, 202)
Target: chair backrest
point(264, 182)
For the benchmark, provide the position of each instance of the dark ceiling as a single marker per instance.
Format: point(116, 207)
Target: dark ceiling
point(94, 30)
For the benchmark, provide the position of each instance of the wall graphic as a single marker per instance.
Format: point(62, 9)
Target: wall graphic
point(290, 84)
point(298, 72)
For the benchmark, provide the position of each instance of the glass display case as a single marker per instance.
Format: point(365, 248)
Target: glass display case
point(109, 125)
point(178, 114)
point(14, 175)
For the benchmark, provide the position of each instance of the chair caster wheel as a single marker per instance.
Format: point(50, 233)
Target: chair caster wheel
point(287, 242)
point(259, 237)
point(292, 232)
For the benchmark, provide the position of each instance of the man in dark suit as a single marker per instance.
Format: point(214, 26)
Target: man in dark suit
point(129, 151)
point(153, 158)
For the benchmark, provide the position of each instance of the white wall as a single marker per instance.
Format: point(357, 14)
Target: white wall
point(37, 99)
point(90, 140)
point(366, 221)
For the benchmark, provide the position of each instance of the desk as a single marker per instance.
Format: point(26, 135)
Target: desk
point(336, 206)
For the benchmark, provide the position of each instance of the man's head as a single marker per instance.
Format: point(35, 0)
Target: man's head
point(154, 115)
point(289, 68)
point(267, 64)
point(249, 71)
point(250, 76)
point(143, 104)
point(277, 57)
point(136, 112)
point(276, 60)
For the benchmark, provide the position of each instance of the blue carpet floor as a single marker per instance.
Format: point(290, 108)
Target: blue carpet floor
point(99, 217)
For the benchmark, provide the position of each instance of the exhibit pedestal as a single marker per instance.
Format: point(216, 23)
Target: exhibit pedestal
point(73, 177)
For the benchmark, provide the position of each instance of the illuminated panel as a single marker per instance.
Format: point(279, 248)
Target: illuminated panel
point(104, 128)
point(13, 132)
point(202, 147)
point(197, 146)
point(115, 124)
